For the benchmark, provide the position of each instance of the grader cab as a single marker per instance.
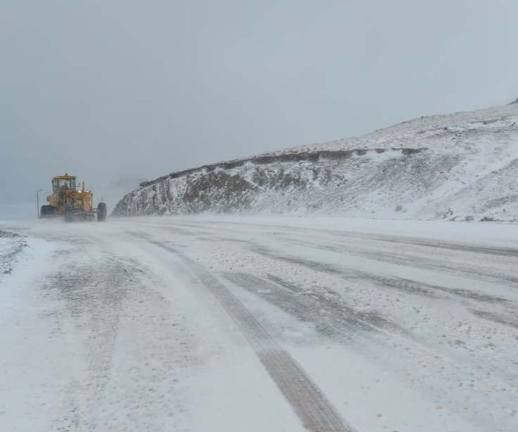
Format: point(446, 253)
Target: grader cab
point(71, 202)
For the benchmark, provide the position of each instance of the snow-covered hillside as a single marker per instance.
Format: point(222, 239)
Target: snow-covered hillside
point(461, 166)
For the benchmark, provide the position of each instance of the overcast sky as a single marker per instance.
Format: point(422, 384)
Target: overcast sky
point(109, 89)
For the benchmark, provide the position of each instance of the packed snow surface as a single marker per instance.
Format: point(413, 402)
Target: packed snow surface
point(461, 166)
point(220, 323)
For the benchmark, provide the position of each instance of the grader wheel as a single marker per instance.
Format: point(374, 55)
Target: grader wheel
point(102, 212)
point(69, 213)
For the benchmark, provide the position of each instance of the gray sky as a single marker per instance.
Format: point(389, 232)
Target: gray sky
point(113, 88)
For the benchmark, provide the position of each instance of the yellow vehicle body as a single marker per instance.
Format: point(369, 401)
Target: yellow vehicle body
point(71, 202)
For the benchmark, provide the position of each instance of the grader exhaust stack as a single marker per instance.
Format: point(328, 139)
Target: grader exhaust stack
point(72, 203)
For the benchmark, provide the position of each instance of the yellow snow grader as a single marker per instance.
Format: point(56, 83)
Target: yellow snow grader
point(71, 202)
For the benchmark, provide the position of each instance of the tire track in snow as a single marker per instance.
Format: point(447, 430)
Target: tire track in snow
point(332, 316)
point(93, 293)
point(309, 403)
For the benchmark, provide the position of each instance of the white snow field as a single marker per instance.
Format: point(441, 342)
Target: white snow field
point(461, 166)
point(223, 324)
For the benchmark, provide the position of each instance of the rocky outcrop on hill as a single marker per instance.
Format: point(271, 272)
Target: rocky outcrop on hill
point(461, 166)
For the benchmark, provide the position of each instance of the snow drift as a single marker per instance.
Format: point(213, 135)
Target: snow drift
point(461, 166)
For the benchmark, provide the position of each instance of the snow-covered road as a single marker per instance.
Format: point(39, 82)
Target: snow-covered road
point(258, 324)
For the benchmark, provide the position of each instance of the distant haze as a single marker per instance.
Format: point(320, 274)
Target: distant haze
point(120, 90)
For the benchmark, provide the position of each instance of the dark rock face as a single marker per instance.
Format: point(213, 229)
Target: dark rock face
point(218, 191)
point(281, 183)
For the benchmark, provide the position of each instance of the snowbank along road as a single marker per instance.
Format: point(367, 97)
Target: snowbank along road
point(271, 324)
